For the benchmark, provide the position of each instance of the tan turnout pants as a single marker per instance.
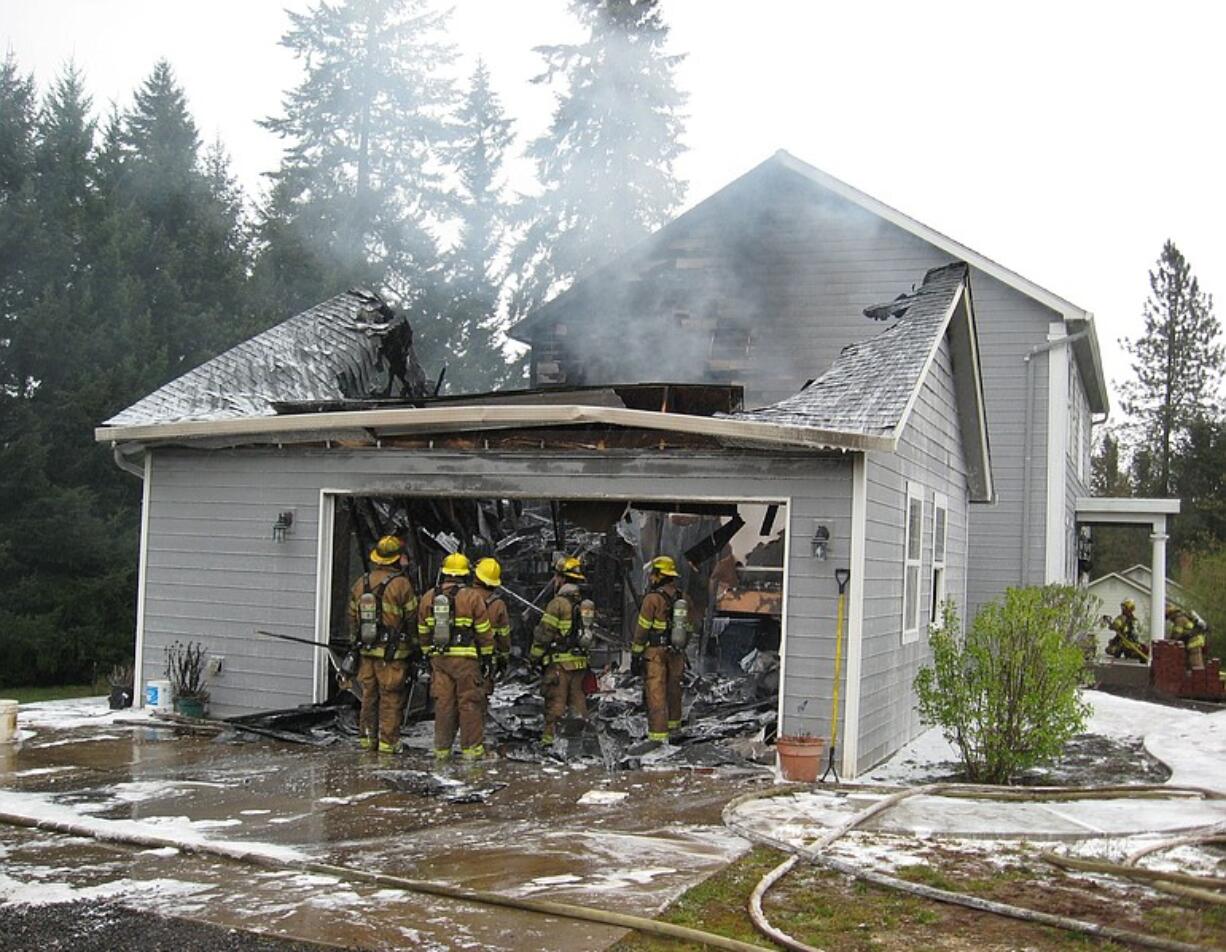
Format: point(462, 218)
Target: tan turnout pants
point(662, 690)
point(561, 689)
point(459, 701)
point(383, 698)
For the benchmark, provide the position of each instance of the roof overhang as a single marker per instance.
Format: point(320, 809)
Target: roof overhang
point(1124, 511)
point(300, 427)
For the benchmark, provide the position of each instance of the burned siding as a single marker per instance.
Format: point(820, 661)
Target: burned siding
point(930, 455)
point(214, 573)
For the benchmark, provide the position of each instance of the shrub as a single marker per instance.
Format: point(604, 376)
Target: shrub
point(1007, 695)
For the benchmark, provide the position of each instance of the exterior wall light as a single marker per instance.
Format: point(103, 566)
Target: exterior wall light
point(280, 528)
point(821, 543)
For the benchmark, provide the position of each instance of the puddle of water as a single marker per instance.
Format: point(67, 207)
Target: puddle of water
point(648, 838)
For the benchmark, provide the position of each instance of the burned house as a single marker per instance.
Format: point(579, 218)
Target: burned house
point(269, 469)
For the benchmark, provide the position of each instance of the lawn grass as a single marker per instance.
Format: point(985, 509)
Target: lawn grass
point(834, 913)
point(57, 693)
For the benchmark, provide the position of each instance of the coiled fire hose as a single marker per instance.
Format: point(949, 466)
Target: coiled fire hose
point(815, 853)
point(237, 853)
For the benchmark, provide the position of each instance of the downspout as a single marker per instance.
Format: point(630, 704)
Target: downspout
point(1028, 461)
point(122, 461)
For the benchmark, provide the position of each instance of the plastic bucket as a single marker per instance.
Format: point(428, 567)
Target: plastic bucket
point(8, 721)
point(157, 696)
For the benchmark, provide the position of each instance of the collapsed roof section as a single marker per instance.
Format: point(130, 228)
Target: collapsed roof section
point(255, 393)
point(873, 386)
point(352, 345)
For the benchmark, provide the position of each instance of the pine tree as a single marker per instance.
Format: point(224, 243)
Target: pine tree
point(358, 185)
point(1115, 547)
point(1177, 364)
point(18, 111)
point(467, 334)
point(606, 165)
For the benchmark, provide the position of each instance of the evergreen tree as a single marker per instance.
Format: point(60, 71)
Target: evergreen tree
point(358, 185)
point(18, 111)
point(606, 165)
point(467, 334)
point(1115, 547)
point(1177, 365)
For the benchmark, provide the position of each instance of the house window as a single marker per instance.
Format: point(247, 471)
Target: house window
point(912, 552)
point(940, 537)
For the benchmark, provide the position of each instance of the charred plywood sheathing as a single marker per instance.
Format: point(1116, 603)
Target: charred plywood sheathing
point(351, 346)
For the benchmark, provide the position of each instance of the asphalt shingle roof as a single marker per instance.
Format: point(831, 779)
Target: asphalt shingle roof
point(868, 387)
point(329, 352)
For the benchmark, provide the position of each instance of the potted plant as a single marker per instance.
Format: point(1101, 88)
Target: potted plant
point(120, 680)
point(800, 756)
point(185, 669)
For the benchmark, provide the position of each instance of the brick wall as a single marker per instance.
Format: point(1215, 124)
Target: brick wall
point(1168, 673)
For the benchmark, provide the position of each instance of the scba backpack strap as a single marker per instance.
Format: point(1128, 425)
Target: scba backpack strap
point(374, 632)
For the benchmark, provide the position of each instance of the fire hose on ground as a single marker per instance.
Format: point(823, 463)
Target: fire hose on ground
point(815, 853)
point(237, 853)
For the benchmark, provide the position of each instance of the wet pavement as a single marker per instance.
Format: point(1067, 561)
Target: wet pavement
point(531, 837)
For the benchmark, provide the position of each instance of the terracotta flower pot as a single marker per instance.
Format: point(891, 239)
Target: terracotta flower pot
point(800, 758)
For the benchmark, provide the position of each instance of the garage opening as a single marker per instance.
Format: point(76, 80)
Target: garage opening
point(731, 557)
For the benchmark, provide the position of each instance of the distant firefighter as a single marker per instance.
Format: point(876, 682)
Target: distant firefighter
point(1125, 643)
point(1187, 626)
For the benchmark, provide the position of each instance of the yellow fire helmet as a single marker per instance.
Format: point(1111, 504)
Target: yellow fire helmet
point(489, 572)
point(456, 564)
point(1128, 605)
point(387, 551)
point(664, 565)
point(570, 567)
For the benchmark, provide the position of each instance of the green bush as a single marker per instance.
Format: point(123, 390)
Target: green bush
point(1007, 695)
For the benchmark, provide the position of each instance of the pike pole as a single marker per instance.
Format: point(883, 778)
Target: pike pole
point(841, 576)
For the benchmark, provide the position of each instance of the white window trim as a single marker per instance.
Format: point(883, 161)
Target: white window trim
point(915, 493)
point(939, 502)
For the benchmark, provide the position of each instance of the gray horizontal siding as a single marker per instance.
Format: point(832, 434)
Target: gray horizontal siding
point(213, 573)
point(797, 265)
point(931, 455)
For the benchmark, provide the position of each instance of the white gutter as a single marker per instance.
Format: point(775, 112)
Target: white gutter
point(410, 419)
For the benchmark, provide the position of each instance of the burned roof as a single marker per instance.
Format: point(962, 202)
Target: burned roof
point(350, 346)
point(869, 386)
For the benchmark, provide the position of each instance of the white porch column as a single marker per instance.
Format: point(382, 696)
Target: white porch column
point(1157, 592)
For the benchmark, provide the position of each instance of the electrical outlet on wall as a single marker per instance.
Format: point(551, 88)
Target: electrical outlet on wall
point(215, 665)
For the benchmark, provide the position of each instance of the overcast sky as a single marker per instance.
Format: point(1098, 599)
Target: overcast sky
point(1065, 140)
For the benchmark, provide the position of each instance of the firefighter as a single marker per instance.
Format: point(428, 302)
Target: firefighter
point(560, 646)
point(453, 627)
point(566, 568)
point(1125, 643)
point(488, 574)
point(660, 636)
point(381, 603)
point(1190, 628)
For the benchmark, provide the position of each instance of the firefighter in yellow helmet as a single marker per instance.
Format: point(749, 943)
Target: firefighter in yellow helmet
point(488, 574)
point(453, 628)
point(560, 645)
point(1125, 643)
point(660, 637)
point(1187, 626)
point(382, 606)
